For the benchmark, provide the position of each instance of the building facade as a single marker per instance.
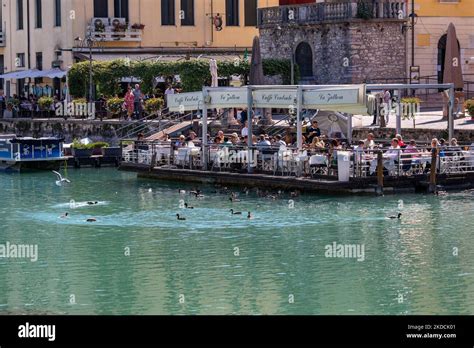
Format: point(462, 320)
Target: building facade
point(431, 24)
point(338, 42)
point(44, 34)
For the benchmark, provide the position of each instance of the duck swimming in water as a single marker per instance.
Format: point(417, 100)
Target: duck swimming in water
point(396, 217)
point(187, 206)
point(180, 218)
point(236, 212)
point(91, 220)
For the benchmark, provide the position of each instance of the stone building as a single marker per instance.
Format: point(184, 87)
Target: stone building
point(46, 34)
point(338, 42)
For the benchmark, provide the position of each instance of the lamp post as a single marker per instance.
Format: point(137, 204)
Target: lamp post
point(89, 42)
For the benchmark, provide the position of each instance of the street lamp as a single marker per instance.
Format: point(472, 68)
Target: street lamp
point(89, 42)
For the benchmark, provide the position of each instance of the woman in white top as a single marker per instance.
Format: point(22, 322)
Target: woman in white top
point(394, 150)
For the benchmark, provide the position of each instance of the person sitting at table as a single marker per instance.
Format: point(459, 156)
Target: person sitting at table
point(313, 131)
point(245, 130)
point(400, 141)
point(369, 143)
point(454, 148)
point(316, 144)
point(359, 151)
point(166, 138)
point(394, 150)
point(411, 147)
point(288, 138)
point(234, 139)
point(189, 142)
point(280, 142)
point(220, 134)
point(333, 147)
point(181, 142)
point(408, 154)
point(263, 143)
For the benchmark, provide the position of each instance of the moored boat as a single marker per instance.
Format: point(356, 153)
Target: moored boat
point(20, 154)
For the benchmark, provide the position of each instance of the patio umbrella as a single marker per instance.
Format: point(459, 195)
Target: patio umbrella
point(452, 67)
point(452, 60)
point(214, 74)
point(256, 66)
point(256, 72)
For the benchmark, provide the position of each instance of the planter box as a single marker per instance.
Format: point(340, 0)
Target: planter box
point(82, 152)
point(112, 152)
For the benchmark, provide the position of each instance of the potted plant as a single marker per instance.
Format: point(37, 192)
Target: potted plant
point(80, 150)
point(153, 105)
point(45, 103)
point(410, 106)
point(138, 26)
point(98, 148)
point(469, 106)
point(99, 25)
point(115, 106)
point(87, 150)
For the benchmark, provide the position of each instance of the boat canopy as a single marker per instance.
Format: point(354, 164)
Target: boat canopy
point(36, 141)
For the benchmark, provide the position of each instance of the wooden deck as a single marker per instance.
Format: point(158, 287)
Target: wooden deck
point(360, 186)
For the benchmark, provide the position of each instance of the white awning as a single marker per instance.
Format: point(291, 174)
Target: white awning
point(33, 73)
point(19, 74)
point(51, 73)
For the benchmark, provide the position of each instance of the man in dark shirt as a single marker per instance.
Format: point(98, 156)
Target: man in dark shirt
point(137, 101)
point(313, 131)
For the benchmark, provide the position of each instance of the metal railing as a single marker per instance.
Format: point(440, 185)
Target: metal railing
point(3, 39)
point(104, 29)
point(320, 12)
point(322, 163)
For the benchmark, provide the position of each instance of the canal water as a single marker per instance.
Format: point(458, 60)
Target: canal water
point(137, 258)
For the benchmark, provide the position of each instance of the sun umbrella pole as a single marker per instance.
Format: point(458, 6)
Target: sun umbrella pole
point(204, 131)
point(299, 127)
point(450, 113)
point(250, 130)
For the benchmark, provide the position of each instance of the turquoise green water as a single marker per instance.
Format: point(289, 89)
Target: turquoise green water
point(193, 267)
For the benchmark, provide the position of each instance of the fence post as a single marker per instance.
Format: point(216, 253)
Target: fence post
point(434, 165)
point(379, 189)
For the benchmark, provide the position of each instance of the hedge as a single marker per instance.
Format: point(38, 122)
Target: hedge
point(194, 74)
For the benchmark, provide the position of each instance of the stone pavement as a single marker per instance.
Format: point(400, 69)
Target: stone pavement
point(426, 120)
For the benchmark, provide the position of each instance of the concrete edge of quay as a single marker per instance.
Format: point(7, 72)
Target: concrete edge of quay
point(359, 186)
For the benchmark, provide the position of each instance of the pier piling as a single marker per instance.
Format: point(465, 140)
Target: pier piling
point(379, 188)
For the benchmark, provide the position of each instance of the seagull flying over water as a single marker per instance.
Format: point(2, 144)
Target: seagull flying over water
point(60, 180)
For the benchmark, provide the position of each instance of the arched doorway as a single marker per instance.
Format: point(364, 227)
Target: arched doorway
point(442, 55)
point(304, 59)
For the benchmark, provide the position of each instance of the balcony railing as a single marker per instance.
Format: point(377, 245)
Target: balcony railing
point(321, 12)
point(113, 29)
point(3, 39)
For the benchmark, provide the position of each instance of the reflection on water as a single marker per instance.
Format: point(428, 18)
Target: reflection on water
point(137, 258)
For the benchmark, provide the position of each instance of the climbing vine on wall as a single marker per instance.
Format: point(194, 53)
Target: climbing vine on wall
point(194, 74)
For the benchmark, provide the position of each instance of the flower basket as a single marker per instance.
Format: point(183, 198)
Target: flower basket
point(45, 103)
point(138, 26)
point(114, 106)
point(410, 106)
point(153, 105)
